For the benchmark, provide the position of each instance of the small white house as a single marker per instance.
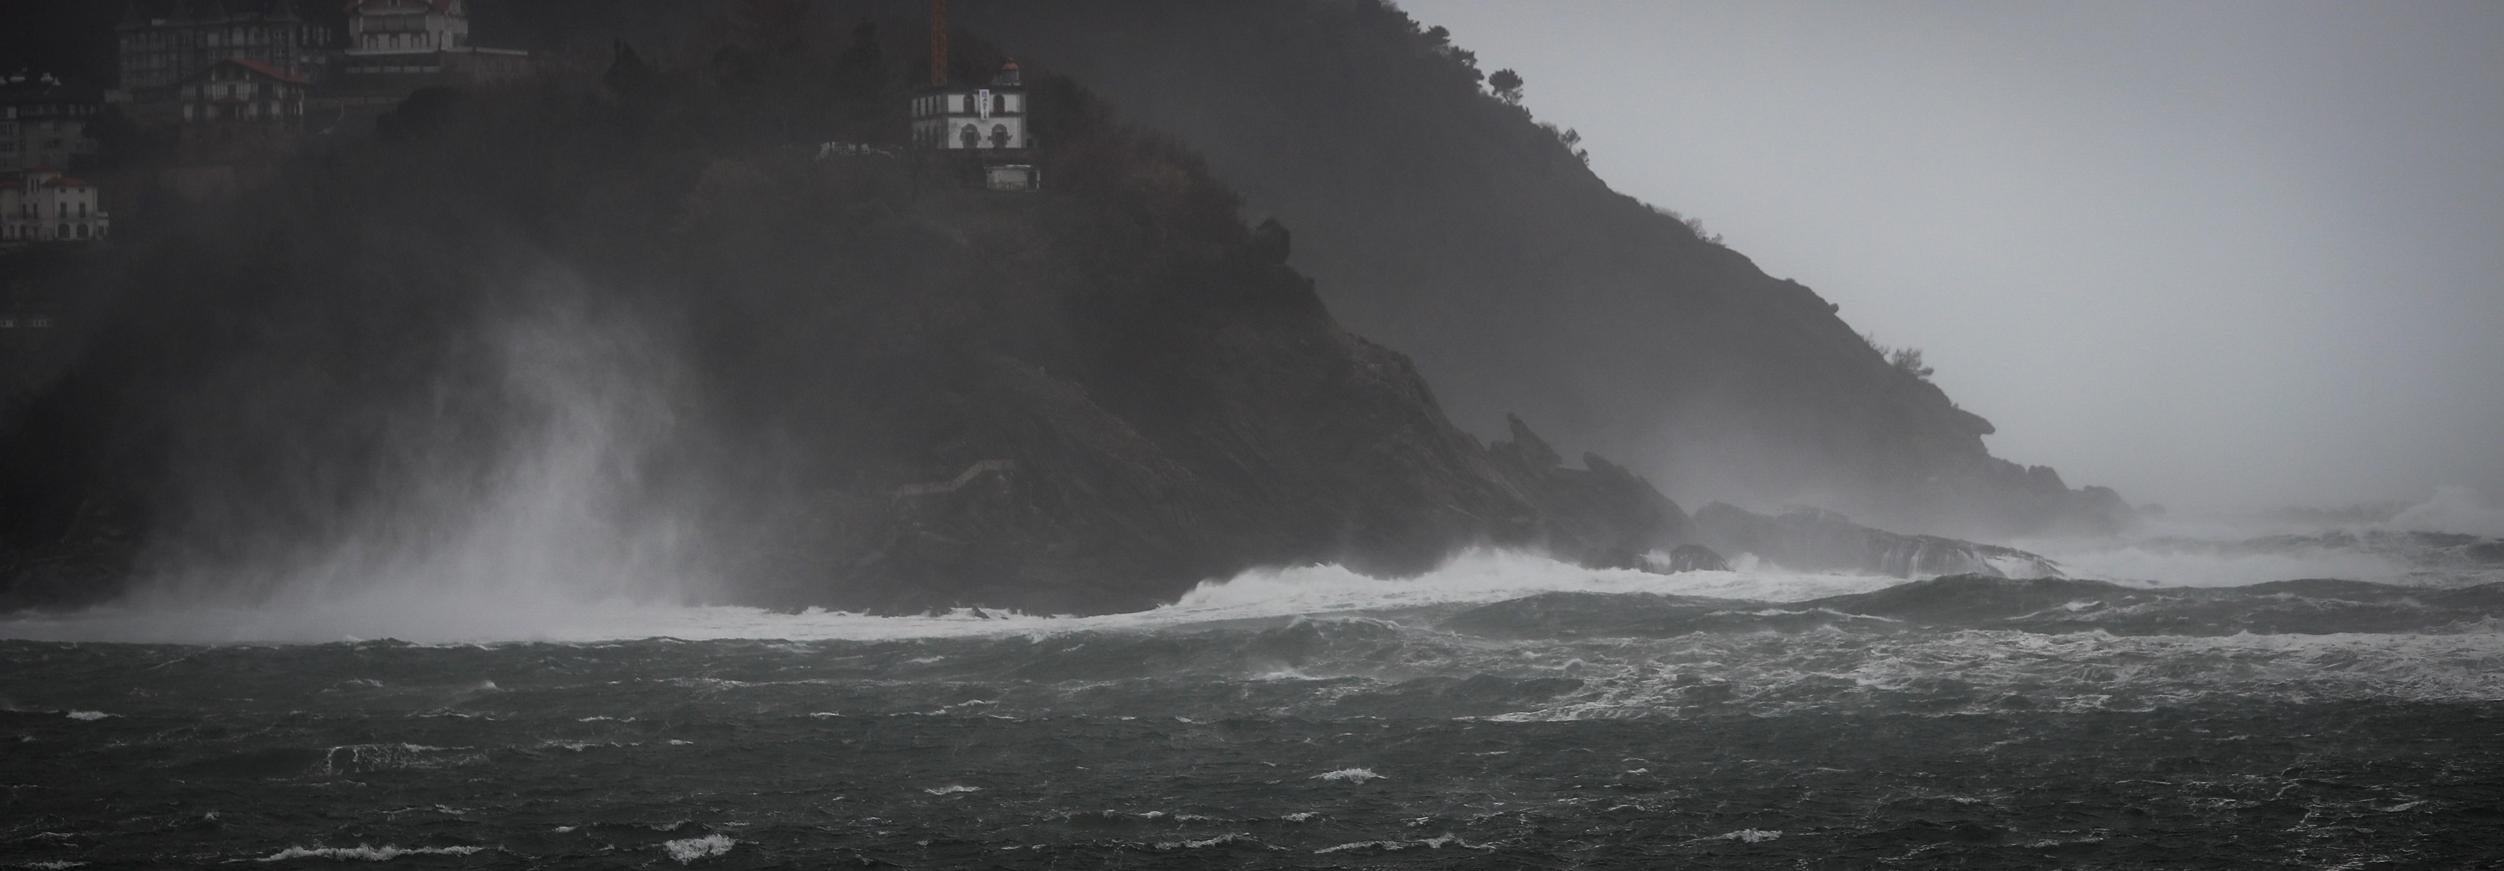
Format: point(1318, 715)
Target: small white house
point(51, 207)
point(966, 118)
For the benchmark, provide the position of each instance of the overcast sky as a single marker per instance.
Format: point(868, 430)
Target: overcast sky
point(2216, 254)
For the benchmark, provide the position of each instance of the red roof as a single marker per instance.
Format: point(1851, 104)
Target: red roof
point(265, 69)
point(63, 181)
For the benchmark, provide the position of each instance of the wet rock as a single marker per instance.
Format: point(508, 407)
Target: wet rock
point(1600, 515)
point(1695, 558)
point(1811, 540)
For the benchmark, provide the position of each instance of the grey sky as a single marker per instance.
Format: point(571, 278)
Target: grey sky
point(2216, 254)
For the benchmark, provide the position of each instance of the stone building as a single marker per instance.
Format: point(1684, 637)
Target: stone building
point(43, 123)
point(164, 44)
point(50, 207)
point(240, 108)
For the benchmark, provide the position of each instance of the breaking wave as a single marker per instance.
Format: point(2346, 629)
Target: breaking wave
point(2170, 572)
point(1477, 577)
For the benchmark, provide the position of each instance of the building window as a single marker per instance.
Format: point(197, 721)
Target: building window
point(970, 136)
point(999, 136)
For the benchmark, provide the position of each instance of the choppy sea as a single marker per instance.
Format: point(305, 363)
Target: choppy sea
point(1506, 712)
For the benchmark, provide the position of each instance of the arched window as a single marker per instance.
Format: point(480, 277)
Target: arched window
point(62, 233)
point(999, 136)
point(81, 229)
point(971, 137)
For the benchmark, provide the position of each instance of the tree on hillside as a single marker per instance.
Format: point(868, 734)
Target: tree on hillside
point(1507, 85)
point(1908, 360)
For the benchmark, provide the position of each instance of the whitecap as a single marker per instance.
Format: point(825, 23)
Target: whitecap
point(1204, 843)
point(1348, 775)
point(952, 789)
point(687, 851)
point(87, 716)
point(363, 853)
point(1434, 843)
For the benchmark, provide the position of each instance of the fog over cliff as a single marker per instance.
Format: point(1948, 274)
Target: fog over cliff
point(2223, 255)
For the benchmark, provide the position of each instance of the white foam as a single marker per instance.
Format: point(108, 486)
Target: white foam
point(1434, 843)
point(1205, 843)
point(952, 789)
point(465, 615)
point(363, 853)
point(2178, 566)
point(87, 716)
point(2072, 671)
point(1348, 775)
point(687, 851)
point(2452, 508)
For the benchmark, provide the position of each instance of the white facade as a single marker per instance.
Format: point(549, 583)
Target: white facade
point(380, 27)
point(974, 118)
point(51, 207)
point(971, 119)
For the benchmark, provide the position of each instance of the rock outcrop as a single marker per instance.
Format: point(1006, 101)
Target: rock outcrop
point(1600, 514)
point(1812, 540)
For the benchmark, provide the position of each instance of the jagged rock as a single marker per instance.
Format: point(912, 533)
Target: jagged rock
point(1813, 540)
point(1600, 514)
point(1695, 558)
point(1526, 450)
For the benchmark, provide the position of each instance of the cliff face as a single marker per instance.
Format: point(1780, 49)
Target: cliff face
point(641, 328)
point(1452, 227)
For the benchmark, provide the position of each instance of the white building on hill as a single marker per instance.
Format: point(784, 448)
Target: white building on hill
point(405, 38)
point(985, 121)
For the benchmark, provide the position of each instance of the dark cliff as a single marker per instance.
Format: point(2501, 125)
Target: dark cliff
point(1454, 228)
point(637, 320)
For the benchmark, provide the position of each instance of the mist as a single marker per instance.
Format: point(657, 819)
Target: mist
point(505, 513)
point(2220, 256)
point(1264, 433)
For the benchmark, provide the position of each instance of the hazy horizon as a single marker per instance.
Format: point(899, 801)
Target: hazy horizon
point(2218, 256)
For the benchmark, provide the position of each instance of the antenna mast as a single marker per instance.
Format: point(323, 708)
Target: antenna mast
point(938, 43)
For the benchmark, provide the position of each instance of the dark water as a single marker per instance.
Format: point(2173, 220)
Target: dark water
point(1953, 723)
